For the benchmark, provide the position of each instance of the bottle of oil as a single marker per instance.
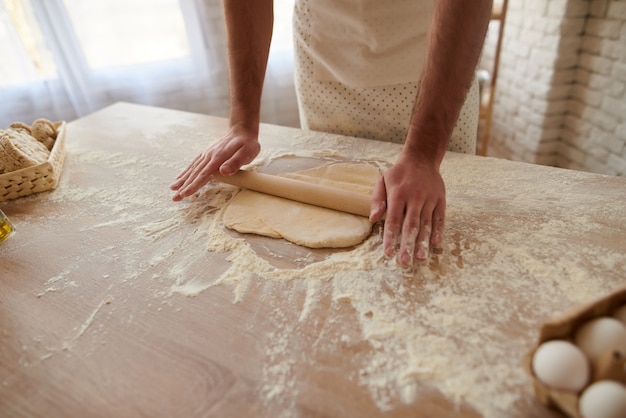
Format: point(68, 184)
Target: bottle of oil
point(6, 229)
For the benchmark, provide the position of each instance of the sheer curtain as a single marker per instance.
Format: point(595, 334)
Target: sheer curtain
point(63, 59)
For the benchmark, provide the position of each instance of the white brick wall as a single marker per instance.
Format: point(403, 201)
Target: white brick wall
point(597, 113)
point(561, 92)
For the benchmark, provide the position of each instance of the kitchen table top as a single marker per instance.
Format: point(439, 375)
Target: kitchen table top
point(117, 301)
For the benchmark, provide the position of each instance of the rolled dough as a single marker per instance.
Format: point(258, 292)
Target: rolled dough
point(301, 223)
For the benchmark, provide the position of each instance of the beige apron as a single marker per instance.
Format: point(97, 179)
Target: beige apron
point(366, 43)
point(358, 64)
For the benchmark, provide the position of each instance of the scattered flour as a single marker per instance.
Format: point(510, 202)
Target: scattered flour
point(423, 328)
point(448, 325)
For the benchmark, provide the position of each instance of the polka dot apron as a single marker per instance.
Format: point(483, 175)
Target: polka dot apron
point(360, 77)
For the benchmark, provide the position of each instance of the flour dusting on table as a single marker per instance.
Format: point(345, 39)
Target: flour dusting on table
point(429, 329)
point(444, 326)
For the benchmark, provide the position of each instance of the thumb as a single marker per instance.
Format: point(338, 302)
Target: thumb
point(378, 204)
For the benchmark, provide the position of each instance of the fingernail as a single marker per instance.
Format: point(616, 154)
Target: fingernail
point(378, 210)
point(437, 238)
point(390, 241)
point(422, 251)
point(226, 170)
point(406, 259)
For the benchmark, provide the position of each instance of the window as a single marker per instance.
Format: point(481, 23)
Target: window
point(88, 35)
point(63, 59)
point(22, 47)
point(116, 33)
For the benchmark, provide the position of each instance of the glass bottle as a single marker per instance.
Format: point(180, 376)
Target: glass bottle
point(6, 228)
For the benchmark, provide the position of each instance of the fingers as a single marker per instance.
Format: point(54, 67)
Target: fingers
point(391, 236)
point(411, 236)
point(196, 175)
point(412, 224)
point(243, 155)
point(227, 155)
point(421, 241)
point(415, 227)
point(379, 201)
point(394, 216)
point(180, 179)
point(438, 222)
point(197, 178)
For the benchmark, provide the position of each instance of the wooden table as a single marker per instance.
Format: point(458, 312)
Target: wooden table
point(116, 301)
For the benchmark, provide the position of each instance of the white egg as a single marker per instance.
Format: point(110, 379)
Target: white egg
point(620, 314)
point(603, 399)
point(561, 365)
point(597, 336)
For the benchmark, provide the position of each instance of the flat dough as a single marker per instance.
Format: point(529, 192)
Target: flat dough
point(301, 223)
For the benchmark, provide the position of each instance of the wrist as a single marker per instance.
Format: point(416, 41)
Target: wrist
point(427, 147)
point(244, 121)
point(244, 129)
point(419, 161)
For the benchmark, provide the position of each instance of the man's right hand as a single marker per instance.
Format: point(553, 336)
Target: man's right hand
point(225, 156)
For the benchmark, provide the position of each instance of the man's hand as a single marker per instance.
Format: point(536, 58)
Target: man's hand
point(225, 156)
point(412, 191)
point(249, 26)
point(413, 196)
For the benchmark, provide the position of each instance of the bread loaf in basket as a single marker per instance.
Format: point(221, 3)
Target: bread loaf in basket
point(24, 168)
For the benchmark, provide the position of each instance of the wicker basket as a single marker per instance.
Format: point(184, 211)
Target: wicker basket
point(38, 178)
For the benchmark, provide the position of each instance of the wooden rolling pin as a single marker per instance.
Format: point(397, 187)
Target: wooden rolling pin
point(301, 191)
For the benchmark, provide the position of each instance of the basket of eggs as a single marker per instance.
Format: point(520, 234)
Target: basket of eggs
point(579, 363)
point(31, 157)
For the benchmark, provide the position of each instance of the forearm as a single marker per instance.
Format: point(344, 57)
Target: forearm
point(249, 29)
point(455, 41)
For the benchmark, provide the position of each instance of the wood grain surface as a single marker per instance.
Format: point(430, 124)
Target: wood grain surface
point(117, 302)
